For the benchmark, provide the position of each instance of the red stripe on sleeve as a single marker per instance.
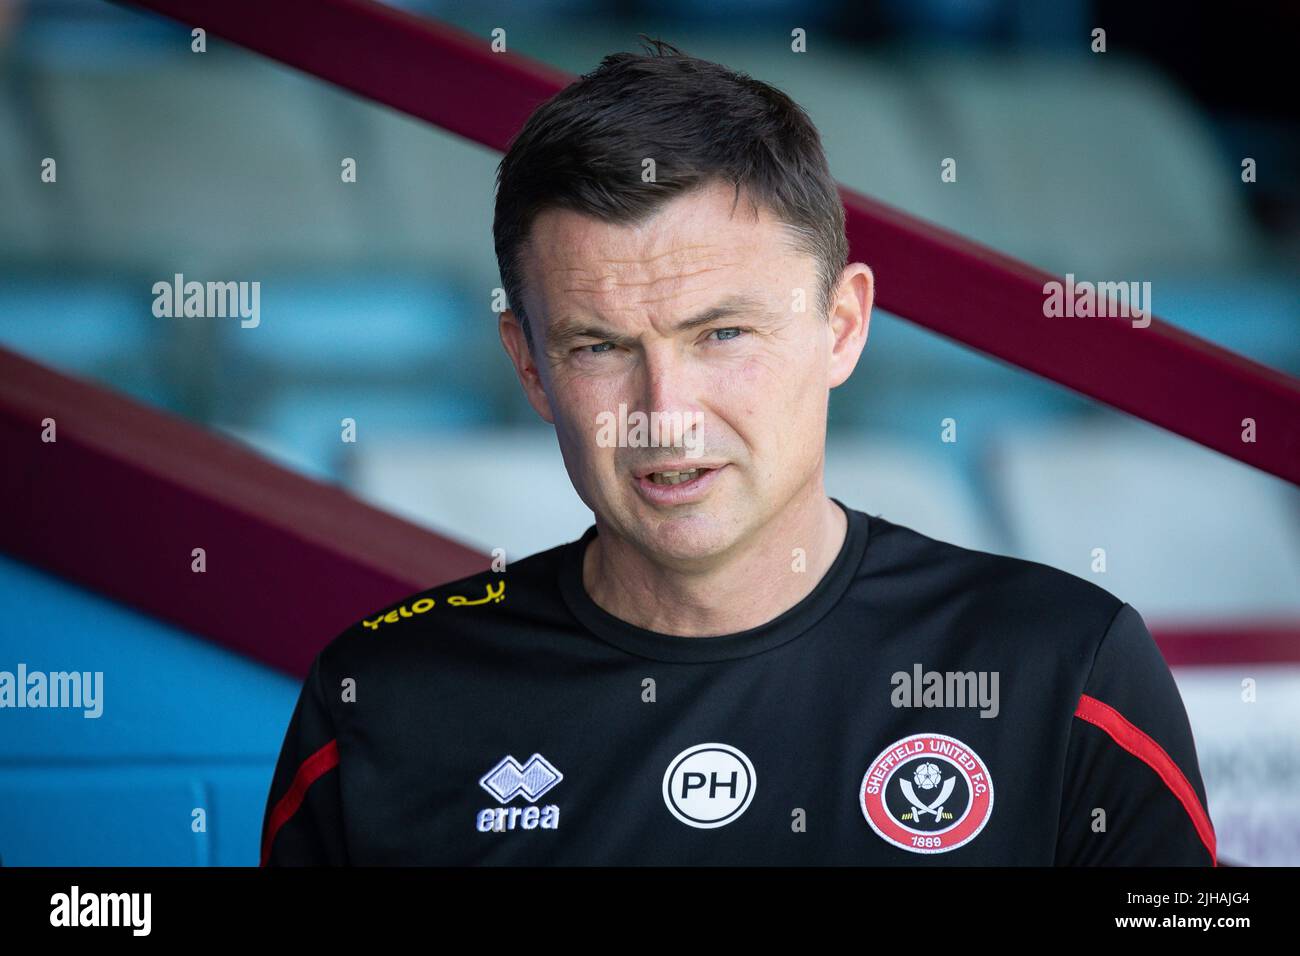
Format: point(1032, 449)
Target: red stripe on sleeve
point(1132, 739)
point(311, 769)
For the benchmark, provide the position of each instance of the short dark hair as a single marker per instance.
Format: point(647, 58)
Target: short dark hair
point(583, 149)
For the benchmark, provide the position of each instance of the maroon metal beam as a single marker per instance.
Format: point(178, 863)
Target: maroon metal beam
point(1159, 373)
point(422, 67)
point(125, 494)
point(933, 277)
point(1228, 643)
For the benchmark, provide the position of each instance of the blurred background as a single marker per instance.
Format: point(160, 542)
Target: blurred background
point(376, 305)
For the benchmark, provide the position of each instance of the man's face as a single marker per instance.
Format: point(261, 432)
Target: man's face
point(746, 389)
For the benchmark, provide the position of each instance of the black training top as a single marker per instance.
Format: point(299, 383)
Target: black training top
point(923, 705)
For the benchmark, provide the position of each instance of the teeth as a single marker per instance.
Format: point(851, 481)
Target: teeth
point(673, 477)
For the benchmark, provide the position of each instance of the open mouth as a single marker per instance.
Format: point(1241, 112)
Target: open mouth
point(676, 477)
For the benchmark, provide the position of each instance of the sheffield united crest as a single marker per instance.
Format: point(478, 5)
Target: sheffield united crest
point(927, 793)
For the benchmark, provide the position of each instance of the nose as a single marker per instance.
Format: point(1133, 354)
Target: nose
point(667, 380)
point(670, 387)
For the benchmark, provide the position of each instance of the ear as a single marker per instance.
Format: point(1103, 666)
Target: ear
point(516, 345)
point(850, 320)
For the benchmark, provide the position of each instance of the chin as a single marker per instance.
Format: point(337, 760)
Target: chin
point(688, 536)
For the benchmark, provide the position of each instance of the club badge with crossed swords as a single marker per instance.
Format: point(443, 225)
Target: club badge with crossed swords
point(919, 807)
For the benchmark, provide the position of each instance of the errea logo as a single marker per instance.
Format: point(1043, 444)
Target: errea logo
point(510, 779)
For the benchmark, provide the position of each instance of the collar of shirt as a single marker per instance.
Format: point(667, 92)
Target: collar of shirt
point(784, 627)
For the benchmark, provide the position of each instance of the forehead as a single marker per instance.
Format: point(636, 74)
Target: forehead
point(693, 244)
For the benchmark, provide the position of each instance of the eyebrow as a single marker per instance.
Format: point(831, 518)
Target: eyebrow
point(566, 330)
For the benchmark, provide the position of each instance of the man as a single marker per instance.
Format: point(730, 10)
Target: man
point(729, 666)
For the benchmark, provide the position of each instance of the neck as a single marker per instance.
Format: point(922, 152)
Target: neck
point(760, 578)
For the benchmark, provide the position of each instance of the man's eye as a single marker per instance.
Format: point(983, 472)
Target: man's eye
point(597, 348)
point(722, 337)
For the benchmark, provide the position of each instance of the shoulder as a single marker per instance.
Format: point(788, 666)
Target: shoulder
point(980, 588)
point(461, 605)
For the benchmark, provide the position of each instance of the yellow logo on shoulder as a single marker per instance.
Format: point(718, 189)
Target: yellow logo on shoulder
point(425, 605)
